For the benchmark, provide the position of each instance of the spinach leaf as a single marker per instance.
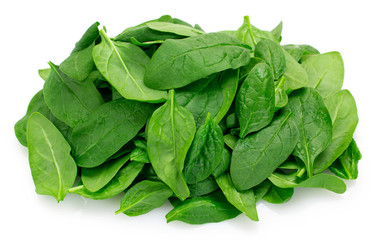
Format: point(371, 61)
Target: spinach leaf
point(205, 209)
point(273, 55)
point(280, 95)
point(96, 178)
point(343, 111)
point(119, 183)
point(69, 100)
point(346, 166)
point(107, 129)
point(261, 190)
point(230, 141)
point(205, 153)
point(224, 163)
point(170, 132)
point(37, 104)
point(201, 97)
point(80, 63)
point(295, 75)
point(178, 29)
point(258, 155)
point(322, 180)
point(139, 153)
point(124, 65)
point(278, 195)
point(144, 197)
point(44, 73)
point(326, 72)
point(178, 63)
point(203, 187)
point(298, 51)
point(52, 167)
point(313, 122)
point(254, 104)
point(142, 33)
point(244, 201)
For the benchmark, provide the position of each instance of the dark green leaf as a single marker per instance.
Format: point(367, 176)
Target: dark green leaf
point(346, 166)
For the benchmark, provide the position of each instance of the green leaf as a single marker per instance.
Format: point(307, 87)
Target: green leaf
point(314, 125)
point(37, 104)
point(122, 180)
point(278, 195)
point(107, 129)
point(52, 167)
point(69, 100)
point(254, 105)
point(178, 63)
point(204, 209)
point(258, 155)
point(44, 73)
point(244, 201)
point(203, 187)
point(273, 55)
point(80, 63)
point(343, 111)
point(295, 75)
point(205, 153)
point(142, 33)
point(144, 197)
point(139, 153)
point(346, 166)
point(280, 96)
point(322, 180)
point(177, 29)
point(224, 163)
point(230, 141)
point(201, 97)
point(170, 132)
point(96, 178)
point(325, 72)
point(124, 65)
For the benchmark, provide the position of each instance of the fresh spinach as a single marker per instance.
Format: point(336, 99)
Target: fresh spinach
point(346, 166)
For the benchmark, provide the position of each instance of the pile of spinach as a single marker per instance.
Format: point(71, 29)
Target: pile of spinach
point(212, 122)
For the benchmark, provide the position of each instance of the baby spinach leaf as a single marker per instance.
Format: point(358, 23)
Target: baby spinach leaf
point(124, 65)
point(69, 100)
point(224, 163)
point(326, 72)
point(205, 209)
point(139, 153)
point(313, 122)
point(298, 51)
point(201, 97)
point(251, 35)
point(280, 95)
point(254, 104)
point(295, 75)
point(44, 73)
point(277, 31)
point(278, 195)
point(261, 189)
point(178, 63)
point(273, 55)
point(107, 129)
point(343, 111)
point(80, 62)
point(119, 183)
point(178, 29)
point(96, 178)
point(228, 83)
point(170, 132)
point(230, 140)
point(322, 180)
point(244, 71)
point(144, 197)
point(142, 33)
point(37, 104)
point(52, 167)
point(346, 166)
point(258, 155)
point(203, 187)
point(205, 153)
point(244, 201)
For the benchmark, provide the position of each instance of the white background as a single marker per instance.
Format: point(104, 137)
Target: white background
point(35, 32)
